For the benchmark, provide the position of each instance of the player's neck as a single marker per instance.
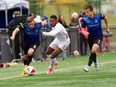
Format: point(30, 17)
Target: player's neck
point(92, 16)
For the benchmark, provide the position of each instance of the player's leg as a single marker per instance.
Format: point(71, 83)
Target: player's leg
point(94, 45)
point(90, 42)
point(25, 59)
point(59, 47)
point(29, 51)
point(53, 61)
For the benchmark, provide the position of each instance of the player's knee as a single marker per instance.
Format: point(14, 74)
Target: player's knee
point(25, 57)
point(30, 52)
point(47, 53)
point(94, 48)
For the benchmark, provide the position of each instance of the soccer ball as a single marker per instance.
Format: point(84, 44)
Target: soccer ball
point(30, 70)
point(76, 53)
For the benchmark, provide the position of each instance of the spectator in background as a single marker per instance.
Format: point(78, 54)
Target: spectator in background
point(74, 19)
point(47, 26)
point(16, 44)
point(83, 39)
point(44, 38)
point(62, 21)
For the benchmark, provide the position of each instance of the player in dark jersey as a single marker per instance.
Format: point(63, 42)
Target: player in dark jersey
point(31, 40)
point(95, 34)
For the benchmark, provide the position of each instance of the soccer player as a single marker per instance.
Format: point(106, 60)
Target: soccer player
point(95, 34)
point(60, 43)
point(31, 40)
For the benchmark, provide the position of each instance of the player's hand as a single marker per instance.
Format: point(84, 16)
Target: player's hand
point(107, 30)
point(85, 32)
point(41, 32)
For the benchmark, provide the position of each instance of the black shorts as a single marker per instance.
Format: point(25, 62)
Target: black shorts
point(95, 41)
point(27, 47)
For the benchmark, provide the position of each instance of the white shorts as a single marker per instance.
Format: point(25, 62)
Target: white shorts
point(62, 45)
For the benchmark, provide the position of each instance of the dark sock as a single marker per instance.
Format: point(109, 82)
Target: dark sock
point(92, 58)
point(25, 62)
point(29, 60)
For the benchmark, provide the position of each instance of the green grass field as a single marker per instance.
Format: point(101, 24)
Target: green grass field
point(68, 73)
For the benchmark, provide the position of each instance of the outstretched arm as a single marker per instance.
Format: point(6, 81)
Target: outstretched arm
point(14, 33)
point(107, 26)
point(51, 33)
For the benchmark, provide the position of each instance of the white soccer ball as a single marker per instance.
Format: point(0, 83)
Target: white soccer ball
point(76, 53)
point(30, 70)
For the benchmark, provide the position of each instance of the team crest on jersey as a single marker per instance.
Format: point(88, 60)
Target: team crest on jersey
point(96, 21)
point(36, 30)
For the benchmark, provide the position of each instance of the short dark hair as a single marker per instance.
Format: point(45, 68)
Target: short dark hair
point(29, 19)
point(54, 16)
point(89, 7)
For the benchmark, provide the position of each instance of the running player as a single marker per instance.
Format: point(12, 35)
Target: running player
point(31, 40)
point(60, 43)
point(95, 34)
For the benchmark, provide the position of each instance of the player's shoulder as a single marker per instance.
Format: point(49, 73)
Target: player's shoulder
point(59, 25)
point(38, 25)
point(85, 18)
point(97, 15)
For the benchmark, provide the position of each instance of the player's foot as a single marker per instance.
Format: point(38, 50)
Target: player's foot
point(50, 71)
point(24, 71)
point(96, 65)
point(86, 69)
point(56, 63)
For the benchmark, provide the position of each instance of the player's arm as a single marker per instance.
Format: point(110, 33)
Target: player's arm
point(83, 26)
point(51, 33)
point(106, 22)
point(16, 31)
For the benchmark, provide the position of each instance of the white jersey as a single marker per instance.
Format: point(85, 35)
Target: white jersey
point(59, 32)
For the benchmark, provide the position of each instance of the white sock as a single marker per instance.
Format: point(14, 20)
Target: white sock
point(52, 62)
point(49, 56)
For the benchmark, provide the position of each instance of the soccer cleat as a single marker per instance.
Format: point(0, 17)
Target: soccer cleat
point(56, 63)
point(50, 71)
point(24, 71)
point(96, 65)
point(86, 69)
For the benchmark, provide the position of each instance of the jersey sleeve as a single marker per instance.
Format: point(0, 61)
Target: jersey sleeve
point(83, 24)
point(22, 26)
point(52, 32)
point(102, 16)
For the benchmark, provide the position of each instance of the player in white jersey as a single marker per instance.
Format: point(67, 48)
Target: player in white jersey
point(60, 42)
